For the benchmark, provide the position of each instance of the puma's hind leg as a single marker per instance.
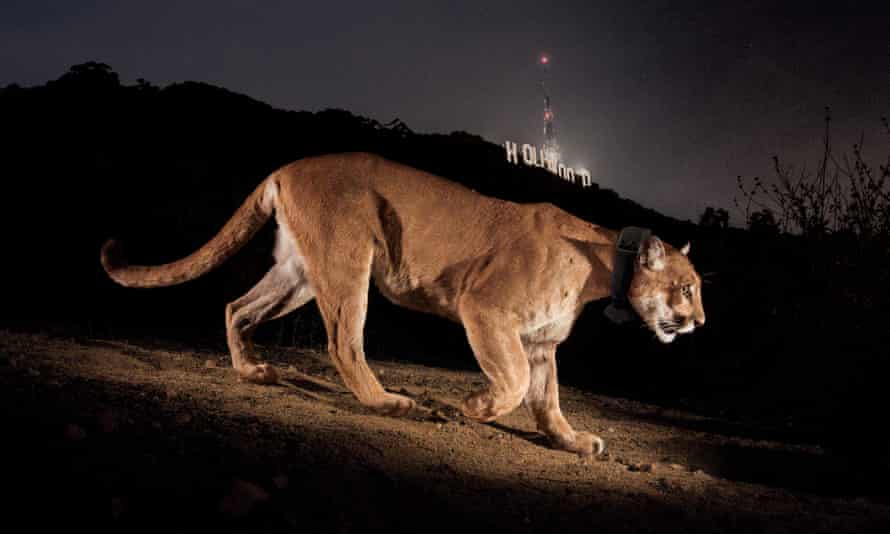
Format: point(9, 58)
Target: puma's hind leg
point(543, 400)
point(283, 289)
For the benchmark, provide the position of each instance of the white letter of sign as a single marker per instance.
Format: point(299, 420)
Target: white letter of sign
point(528, 154)
point(512, 152)
point(551, 162)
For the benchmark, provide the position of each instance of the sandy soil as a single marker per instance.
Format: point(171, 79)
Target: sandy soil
point(140, 437)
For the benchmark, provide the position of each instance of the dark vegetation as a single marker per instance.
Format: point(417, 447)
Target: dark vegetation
point(796, 339)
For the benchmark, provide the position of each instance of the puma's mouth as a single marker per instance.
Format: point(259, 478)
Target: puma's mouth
point(665, 335)
point(666, 331)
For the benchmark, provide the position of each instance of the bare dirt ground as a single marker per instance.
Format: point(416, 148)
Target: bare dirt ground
point(108, 434)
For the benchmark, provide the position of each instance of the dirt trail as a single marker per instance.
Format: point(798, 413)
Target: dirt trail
point(114, 434)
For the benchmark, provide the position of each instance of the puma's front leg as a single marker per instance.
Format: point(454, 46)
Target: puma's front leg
point(498, 350)
point(543, 400)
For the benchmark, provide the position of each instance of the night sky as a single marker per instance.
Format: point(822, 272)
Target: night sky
point(664, 102)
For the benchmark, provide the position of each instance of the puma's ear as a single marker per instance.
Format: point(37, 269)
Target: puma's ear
point(685, 250)
point(653, 254)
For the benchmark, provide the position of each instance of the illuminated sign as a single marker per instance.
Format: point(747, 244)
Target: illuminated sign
point(548, 160)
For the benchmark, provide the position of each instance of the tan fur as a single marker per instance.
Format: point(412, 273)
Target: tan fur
point(515, 276)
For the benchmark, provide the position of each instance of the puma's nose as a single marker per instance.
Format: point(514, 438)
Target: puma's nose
point(700, 321)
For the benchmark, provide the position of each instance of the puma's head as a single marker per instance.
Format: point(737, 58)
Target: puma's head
point(666, 290)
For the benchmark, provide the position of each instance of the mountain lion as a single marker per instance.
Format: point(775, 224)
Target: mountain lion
point(514, 275)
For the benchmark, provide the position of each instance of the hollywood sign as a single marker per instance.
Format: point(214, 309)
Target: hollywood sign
point(546, 159)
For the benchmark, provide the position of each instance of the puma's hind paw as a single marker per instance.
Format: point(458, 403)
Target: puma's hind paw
point(262, 373)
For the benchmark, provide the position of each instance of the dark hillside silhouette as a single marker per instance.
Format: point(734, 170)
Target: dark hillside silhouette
point(790, 344)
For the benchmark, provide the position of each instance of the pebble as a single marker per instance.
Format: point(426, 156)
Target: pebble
point(107, 421)
point(281, 481)
point(241, 499)
point(183, 418)
point(118, 507)
point(640, 468)
point(677, 467)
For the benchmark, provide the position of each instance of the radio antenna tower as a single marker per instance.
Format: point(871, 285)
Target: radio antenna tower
point(551, 147)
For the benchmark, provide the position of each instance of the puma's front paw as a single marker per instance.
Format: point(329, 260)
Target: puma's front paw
point(479, 406)
point(582, 444)
point(259, 374)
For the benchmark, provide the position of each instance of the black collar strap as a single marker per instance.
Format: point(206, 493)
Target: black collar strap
point(627, 250)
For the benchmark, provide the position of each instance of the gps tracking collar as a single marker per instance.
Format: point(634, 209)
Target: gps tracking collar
point(627, 250)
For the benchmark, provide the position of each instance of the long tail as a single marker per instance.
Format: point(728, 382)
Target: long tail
point(249, 218)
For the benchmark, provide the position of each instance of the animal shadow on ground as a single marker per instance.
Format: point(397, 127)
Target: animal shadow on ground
point(765, 455)
point(802, 469)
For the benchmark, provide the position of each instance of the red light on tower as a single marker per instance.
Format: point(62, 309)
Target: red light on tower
point(545, 59)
